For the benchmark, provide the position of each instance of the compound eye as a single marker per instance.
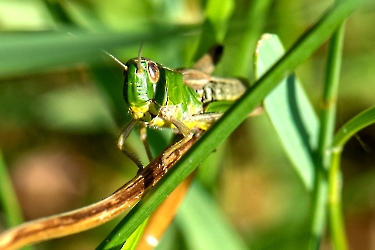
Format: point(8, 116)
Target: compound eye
point(153, 71)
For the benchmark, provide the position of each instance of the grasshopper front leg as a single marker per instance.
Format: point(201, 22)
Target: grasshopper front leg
point(143, 136)
point(121, 144)
point(181, 127)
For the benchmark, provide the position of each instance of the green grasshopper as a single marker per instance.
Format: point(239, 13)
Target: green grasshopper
point(184, 99)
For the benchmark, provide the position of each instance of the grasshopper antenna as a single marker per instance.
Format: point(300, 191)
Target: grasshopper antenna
point(117, 60)
point(139, 66)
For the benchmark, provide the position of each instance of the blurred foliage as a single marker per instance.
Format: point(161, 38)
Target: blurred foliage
point(61, 105)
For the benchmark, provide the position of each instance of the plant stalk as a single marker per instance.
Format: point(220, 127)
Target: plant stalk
point(327, 126)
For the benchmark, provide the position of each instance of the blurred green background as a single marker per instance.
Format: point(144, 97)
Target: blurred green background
point(61, 111)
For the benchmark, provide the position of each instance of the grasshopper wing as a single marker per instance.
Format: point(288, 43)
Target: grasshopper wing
point(200, 74)
point(208, 61)
point(194, 78)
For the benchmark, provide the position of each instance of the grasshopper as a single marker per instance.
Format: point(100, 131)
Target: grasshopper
point(183, 99)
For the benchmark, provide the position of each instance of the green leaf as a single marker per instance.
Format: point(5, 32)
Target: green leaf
point(290, 112)
point(253, 21)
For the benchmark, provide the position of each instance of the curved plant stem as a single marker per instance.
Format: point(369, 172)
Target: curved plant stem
point(336, 223)
point(357, 123)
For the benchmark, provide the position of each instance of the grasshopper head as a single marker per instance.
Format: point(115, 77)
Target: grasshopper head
point(141, 76)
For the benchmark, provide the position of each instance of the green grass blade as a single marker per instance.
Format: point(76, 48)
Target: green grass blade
point(38, 51)
point(204, 225)
point(58, 12)
point(290, 112)
point(8, 198)
point(133, 241)
point(253, 22)
point(215, 25)
point(218, 15)
point(353, 126)
point(235, 115)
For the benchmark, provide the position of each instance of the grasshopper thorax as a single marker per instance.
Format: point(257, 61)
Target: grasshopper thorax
point(141, 78)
